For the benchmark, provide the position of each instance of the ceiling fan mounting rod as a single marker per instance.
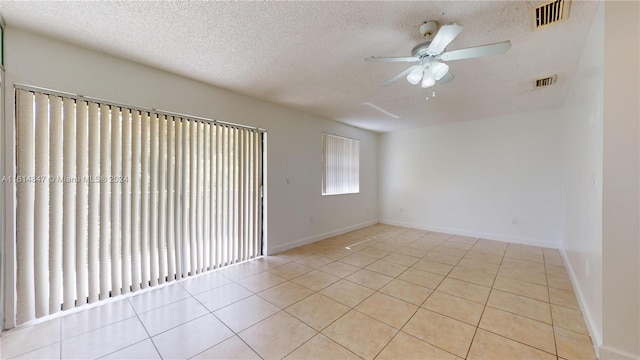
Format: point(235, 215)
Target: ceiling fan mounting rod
point(428, 28)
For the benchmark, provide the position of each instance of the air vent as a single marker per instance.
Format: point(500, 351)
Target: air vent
point(546, 81)
point(550, 13)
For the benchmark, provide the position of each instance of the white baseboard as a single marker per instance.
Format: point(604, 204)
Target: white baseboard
point(516, 240)
point(596, 337)
point(609, 353)
point(314, 238)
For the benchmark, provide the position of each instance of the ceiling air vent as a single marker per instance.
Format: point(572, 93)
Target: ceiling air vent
point(551, 12)
point(546, 81)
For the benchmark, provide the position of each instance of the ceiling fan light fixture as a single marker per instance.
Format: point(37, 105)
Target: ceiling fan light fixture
point(428, 80)
point(430, 55)
point(443, 37)
point(415, 75)
point(439, 69)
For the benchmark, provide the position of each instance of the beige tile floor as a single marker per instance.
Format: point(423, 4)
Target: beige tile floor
point(382, 292)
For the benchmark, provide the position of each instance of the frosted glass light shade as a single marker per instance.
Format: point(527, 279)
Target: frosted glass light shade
point(428, 80)
point(439, 69)
point(415, 75)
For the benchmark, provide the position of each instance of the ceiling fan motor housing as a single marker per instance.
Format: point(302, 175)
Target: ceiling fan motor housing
point(420, 50)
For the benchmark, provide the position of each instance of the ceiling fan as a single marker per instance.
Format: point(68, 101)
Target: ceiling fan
point(430, 55)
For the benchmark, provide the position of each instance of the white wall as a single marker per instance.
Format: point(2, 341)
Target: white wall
point(294, 138)
point(473, 178)
point(601, 180)
point(582, 177)
point(621, 187)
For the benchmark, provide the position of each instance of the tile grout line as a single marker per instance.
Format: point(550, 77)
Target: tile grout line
point(145, 329)
point(337, 319)
point(553, 328)
point(316, 334)
point(284, 310)
point(445, 277)
point(178, 325)
point(414, 313)
point(227, 326)
point(350, 309)
point(485, 306)
point(99, 327)
point(520, 342)
point(403, 325)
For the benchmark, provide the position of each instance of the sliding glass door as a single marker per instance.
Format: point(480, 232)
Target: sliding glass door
point(111, 199)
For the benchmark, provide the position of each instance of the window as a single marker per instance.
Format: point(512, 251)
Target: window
point(340, 165)
point(112, 199)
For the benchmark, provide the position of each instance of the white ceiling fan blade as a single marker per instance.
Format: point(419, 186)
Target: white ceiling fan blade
point(399, 76)
point(445, 79)
point(478, 51)
point(391, 59)
point(443, 37)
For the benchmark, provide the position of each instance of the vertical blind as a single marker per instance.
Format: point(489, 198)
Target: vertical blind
point(340, 165)
point(113, 199)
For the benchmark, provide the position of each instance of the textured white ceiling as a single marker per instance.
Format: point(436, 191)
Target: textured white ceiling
point(310, 55)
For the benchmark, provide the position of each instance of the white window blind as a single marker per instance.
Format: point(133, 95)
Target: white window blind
point(340, 165)
point(112, 199)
